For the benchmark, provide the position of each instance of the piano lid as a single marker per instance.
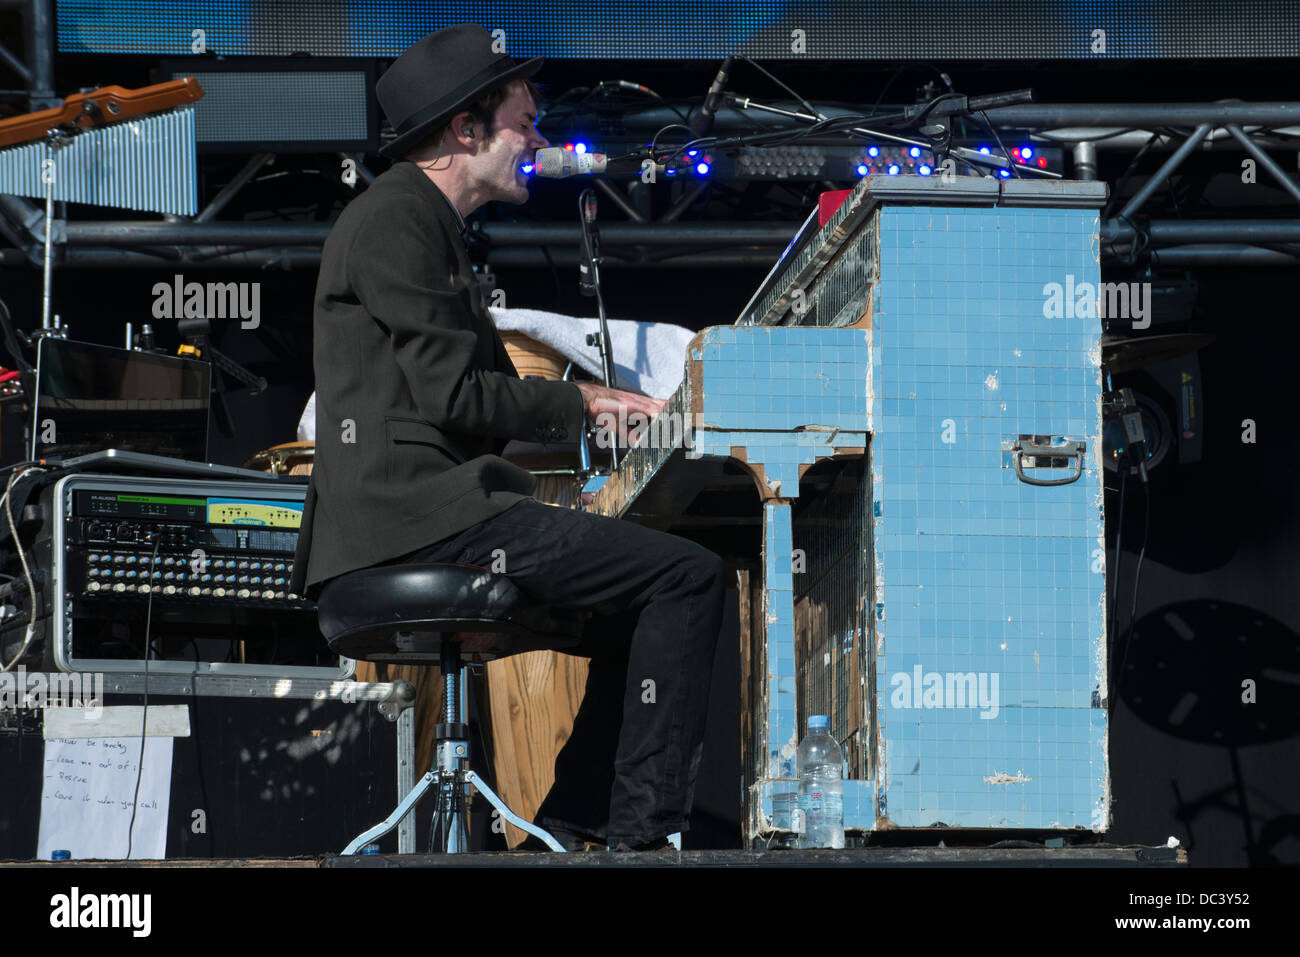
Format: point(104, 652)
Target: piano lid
point(812, 249)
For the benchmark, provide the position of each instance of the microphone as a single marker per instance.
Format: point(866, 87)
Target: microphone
point(702, 122)
point(557, 163)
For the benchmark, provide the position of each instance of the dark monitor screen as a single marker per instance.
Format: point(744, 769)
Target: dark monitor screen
point(90, 398)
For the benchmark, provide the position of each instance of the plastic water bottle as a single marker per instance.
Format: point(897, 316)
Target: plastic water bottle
point(821, 791)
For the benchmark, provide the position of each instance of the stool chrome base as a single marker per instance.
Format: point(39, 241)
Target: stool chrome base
point(452, 776)
point(449, 824)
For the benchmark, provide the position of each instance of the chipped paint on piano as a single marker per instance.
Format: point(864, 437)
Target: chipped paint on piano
point(943, 607)
point(980, 573)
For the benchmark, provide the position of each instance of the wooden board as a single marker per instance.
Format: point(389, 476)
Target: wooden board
point(534, 699)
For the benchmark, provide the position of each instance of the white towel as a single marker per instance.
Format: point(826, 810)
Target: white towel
point(307, 422)
point(649, 357)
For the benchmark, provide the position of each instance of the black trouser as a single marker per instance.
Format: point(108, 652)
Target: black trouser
point(627, 773)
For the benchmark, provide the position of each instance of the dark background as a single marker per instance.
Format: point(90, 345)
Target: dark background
point(1217, 601)
point(273, 778)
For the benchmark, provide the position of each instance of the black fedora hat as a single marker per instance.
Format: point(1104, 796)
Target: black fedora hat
point(434, 79)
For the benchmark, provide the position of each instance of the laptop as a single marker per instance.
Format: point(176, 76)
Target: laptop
point(90, 398)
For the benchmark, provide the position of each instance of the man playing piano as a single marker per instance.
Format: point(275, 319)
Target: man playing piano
point(416, 397)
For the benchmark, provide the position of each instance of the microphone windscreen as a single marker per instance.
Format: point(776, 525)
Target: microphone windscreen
point(556, 162)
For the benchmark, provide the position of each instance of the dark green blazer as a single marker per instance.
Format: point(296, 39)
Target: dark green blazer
point(415, 394)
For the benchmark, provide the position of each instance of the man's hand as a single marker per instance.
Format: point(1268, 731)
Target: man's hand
point(600, 400)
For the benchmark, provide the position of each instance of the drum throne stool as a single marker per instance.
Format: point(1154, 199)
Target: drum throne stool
point(436, 614)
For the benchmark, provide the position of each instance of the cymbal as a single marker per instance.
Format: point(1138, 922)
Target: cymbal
point(1126, 353)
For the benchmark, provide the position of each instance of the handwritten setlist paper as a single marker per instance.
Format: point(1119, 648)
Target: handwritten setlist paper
point(86, 797)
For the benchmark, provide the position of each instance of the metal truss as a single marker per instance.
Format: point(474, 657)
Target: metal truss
point(1127, 235)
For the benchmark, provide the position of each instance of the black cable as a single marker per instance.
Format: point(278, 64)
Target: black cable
point(961, 159)
point(636, 88)
point(888, 84)
point(20, 465)
point(998, 140)
point(761, 69)
point(1114, 591)
point(654, 140)
point(11, 338)
point(30, 632)
point(26, 372)
point(1124, 176)
point(1137, 578)
point(144, 711)
point(589, 92)
point(1141, 245)
point(724, 143)
point(571, 91)
point(841, 124)
point(555, 276)
point(775, 137)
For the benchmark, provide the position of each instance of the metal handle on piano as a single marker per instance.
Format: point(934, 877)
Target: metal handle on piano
point(1072, 449)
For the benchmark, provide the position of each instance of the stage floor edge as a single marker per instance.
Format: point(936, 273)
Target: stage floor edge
point(1089, 856)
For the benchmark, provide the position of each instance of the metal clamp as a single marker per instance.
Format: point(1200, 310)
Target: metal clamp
point(401, 697)
point(1072, 449)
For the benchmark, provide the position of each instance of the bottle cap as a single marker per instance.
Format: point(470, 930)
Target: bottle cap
point(60, 855)
point(818, 722)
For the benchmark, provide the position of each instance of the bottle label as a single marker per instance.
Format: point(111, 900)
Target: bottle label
point(821, 805)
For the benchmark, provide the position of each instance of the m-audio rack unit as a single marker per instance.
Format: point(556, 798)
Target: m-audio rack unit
point(202, 565)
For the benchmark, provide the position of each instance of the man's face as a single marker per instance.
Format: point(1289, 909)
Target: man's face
point(497, 172)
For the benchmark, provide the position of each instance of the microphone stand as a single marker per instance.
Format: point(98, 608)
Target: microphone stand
point(589, 285)
point(198, 345)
